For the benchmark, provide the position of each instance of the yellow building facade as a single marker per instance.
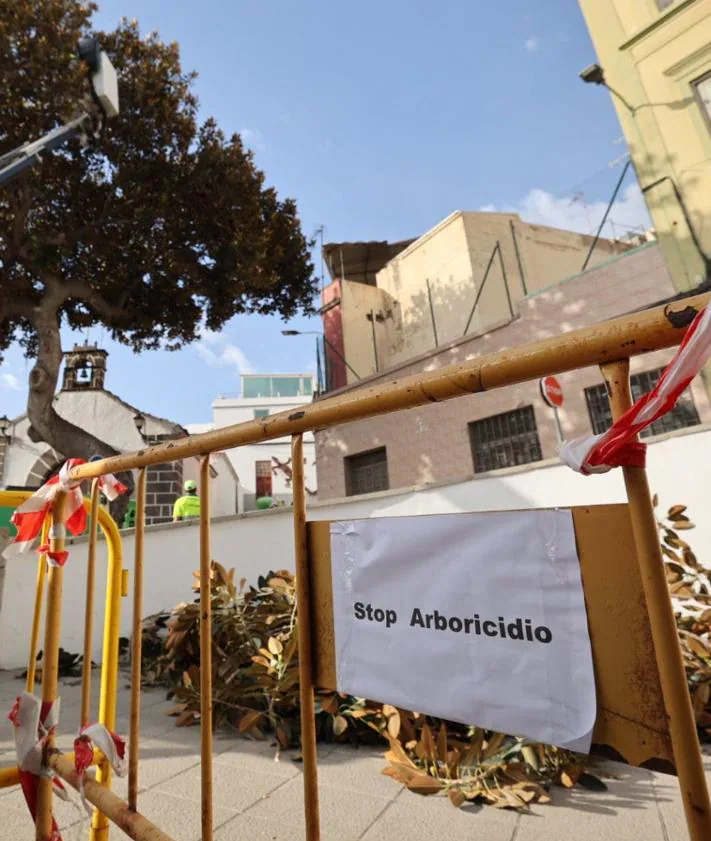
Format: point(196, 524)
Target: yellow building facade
point(655, 57)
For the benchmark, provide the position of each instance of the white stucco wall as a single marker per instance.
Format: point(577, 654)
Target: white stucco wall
point(678, 469)
point(228, 411)
point(107, 418)
point(225, 491)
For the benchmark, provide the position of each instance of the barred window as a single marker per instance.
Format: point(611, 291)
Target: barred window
point(367, 473)
point(505, 440)
point(682, 415)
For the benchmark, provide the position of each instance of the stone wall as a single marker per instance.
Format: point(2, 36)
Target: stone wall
point(164, 484)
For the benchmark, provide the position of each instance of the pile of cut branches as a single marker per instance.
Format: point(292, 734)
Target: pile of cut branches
point(256, 688)
point(690, 586)
point(256, 692)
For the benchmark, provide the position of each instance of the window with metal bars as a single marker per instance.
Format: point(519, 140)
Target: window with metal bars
point(367, 473)
point(505, 440)
point(682, 415)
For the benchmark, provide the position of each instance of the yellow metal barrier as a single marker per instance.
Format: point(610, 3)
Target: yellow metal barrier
point(609, 345)
point(112, 622)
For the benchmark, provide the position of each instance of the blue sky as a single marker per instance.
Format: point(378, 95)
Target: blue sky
point(380, 119)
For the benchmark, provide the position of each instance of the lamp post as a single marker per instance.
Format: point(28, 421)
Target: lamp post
point(103, 105)
point(326, 342)
point(140, 423)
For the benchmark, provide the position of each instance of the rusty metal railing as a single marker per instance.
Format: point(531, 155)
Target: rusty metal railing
point(609, 345)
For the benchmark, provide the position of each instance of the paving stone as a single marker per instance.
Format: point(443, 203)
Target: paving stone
point(344, 814)
point(162, 760)
point(231, 789)
point(177, 817)
point(358, 770)
point(419, 818)
point(669, 805)
point(628, 810)
point(248, 828)
point(259, 756)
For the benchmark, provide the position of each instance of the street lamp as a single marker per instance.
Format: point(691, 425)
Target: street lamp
point(333, 349)
point(103, 104)
point(140, 423)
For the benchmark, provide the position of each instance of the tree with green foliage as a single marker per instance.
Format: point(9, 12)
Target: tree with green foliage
point(159, 225)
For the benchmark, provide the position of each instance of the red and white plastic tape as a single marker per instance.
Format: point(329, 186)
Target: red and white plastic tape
point(33, 720)
point(29, 517)
point(617, 447)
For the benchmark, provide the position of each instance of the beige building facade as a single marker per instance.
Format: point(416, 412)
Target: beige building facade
point(389, 303)
point(507, 428)
point(655, 60)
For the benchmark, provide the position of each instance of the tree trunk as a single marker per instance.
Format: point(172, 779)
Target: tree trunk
point(51, 428)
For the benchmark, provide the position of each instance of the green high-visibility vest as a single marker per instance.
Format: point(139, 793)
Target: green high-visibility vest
point(186, 507)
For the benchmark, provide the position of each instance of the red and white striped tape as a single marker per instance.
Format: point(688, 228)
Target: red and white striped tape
point(109, 743)
point(618, 446)
point(33, 720)
point(29, 517)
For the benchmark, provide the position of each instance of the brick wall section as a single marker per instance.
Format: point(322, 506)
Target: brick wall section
point(431, 443)
point(164, 484)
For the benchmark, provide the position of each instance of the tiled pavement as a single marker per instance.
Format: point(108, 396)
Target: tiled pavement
point(259, 799)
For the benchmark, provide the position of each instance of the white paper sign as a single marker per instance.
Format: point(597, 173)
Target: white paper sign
point(476, 618)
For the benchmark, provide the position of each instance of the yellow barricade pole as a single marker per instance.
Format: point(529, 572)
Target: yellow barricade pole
point(303, 605)
point(205, 651)
point(37, 615)
point(682, 724)
point(136, 651)
point(50, 660)
point(89, 608)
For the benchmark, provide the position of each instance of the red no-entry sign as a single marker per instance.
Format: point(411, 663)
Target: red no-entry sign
point(552, 392)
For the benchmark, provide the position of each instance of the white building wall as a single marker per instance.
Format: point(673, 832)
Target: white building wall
point(678, 470)
point(229, 411)
point(107, 418)
point(225, 491)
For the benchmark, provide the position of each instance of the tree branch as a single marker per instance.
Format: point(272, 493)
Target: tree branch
point(20, 218)
point(109, 311)
point(14, 307)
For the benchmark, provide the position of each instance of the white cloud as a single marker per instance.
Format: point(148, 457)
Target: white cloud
point(10, 381)
point(533, 45)
point(253, 139)
point(216, 349)
point(576, 213)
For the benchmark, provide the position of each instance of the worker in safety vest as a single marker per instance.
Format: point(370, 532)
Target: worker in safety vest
point(187, 506)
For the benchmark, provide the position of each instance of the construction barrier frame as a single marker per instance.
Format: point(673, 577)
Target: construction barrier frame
point(112, 621)
point(608, 345)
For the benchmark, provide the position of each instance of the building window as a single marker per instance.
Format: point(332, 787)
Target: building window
point(505, 440)
point(263, 478)
point(702, 89)
point(367, 473)
point(682, 415)
point(287, 385)
point(261, 413)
